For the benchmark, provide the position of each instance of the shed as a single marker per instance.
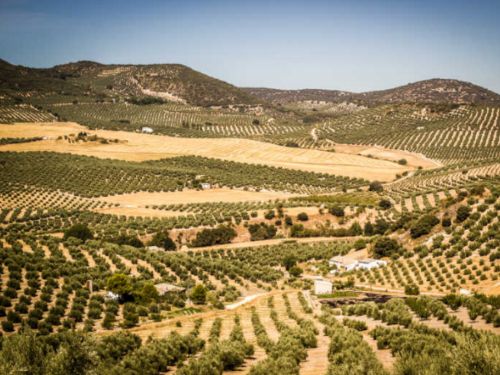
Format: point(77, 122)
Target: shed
point(322, 287)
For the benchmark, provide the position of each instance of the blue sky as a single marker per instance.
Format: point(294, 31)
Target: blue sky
point(347, 45)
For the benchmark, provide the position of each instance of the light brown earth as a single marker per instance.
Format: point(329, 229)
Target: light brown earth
point(140, 147)
point(414, 160)
point(193, 196)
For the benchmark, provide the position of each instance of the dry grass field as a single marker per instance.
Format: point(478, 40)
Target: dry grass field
point(413, 159)
point(193, 196)
point(139, 147)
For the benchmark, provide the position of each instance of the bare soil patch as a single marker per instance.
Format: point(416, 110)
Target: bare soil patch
point(413, 160)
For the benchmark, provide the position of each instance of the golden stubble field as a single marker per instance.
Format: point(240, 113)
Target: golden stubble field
point(194, 196)
point(141, 203)
point(140, 147)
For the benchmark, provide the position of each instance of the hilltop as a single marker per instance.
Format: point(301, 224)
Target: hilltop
point(428, 91)
point(171, 82)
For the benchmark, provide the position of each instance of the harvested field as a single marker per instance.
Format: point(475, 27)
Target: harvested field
point(413, 159)
point(193, 196)
point(140, 147)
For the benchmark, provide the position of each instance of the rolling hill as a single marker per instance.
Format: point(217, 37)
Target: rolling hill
point(172, 82)
point(428, 91)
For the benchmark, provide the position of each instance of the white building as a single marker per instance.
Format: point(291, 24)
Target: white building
point(343, 264)
point(205, 185)
point(369, 263)
point(145, 129)
point(322, 287)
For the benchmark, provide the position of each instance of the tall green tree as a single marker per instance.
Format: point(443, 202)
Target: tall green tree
point(119, 284)
point(199, 294)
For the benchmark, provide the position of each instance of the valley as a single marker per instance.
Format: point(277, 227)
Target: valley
point(164, 221)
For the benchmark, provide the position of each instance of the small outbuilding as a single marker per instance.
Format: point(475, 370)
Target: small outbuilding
point(322, 287)
point(147, 130)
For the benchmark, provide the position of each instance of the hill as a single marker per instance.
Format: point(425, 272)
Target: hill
point(428, 91)
point(171, 82)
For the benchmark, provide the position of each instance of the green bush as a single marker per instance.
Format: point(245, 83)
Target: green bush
point(80, 231)
point(199, 294)
point(463, 213)
point(423, 226)
point(385, 247)
point(302, 216)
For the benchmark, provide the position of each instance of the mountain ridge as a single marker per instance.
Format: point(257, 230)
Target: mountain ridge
point(175, 82)
point(433, 90)
point(180, 83)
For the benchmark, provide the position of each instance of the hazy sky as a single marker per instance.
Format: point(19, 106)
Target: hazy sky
point(349, 45)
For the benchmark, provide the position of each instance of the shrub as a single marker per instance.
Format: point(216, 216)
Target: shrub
point(359, 244)
point(269, 215)
point(337, 211)
point(80, 231)
point(261, 231)
point(385, 247)
point(376, 186)
point(368, 229)
point(446, 222)
point(289, 261)
point(7, 326)
point(163, 240)
point(385, 204)
point(218, 236)
point(412, 290)
point(424, 226)
point(355, 229)
point(295, 271)
point(119, 284)
point(463, 213)
point(199, 294)
point(380, 227)
point(302, 216)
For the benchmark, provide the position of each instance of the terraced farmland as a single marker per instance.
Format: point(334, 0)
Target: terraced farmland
point(23, 113)
point(461, 133)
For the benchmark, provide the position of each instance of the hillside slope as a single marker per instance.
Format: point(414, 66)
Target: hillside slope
point(172, 82)
point(428, 91)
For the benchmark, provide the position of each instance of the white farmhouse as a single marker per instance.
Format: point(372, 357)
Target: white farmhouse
point(322, 287)
point(145, 129)
point(343, 264)
point(369, 263)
